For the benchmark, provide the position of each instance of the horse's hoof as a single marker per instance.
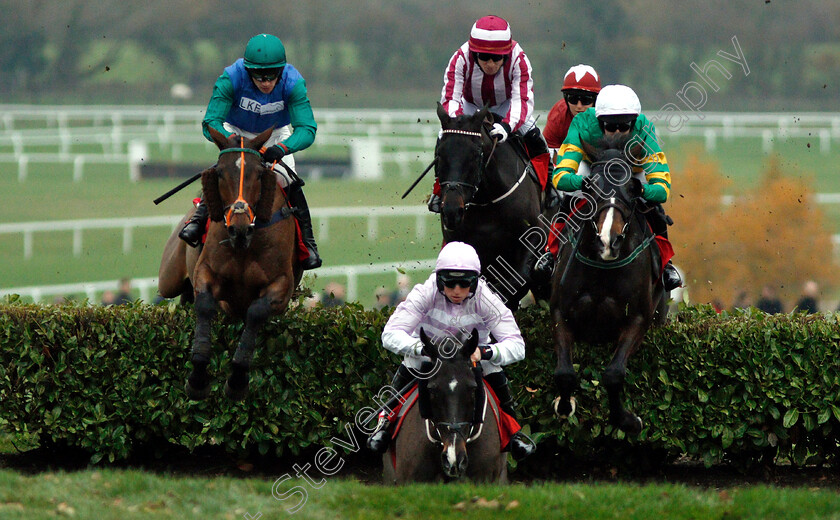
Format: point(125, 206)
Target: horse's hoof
point(236, 394)
point(630, 424)
point(564, 414)
point(197, 393)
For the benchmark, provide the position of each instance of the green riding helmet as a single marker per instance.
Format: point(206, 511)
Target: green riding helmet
point(265, 51)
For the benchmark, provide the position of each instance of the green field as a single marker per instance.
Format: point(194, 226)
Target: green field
point(49, 193)
point(118, 494)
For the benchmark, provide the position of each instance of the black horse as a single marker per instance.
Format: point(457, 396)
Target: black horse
point(606, 286)
point(490, 199)
point(452, 432)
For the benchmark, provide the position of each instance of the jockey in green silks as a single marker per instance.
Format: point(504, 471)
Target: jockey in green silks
point(617, 115)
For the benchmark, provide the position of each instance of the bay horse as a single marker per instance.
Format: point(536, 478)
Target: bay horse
point(247, 266)
point(607, 284)
point(489, 200)
point(460, 437)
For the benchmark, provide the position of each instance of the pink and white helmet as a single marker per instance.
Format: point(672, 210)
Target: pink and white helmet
point(458, 256)
point(491, 34)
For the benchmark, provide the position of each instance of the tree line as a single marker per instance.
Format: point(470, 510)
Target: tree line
point(377, 53)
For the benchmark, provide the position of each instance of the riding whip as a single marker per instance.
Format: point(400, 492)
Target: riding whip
point(429, 167)
point(177, 188)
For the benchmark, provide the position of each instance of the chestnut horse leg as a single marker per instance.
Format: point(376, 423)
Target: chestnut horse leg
point(258, 313)
point(198, 382)
point(614, 374)
point(565, 378)
point(172, 274)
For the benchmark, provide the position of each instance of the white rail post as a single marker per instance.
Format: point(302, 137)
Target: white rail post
point(128, 237)
point(366, 159)
point(372, 227)
point(23, 168)
point(711, 139)
point(77, 242)
point(352, 284)
point(138, 152)
point(825, 141)
point(27, 244)
point(78, 168)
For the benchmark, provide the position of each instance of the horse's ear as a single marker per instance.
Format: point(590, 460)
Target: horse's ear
point(258, 141)
point(589, 151)
point(219, 138)
point(635, 187)
point(211, 195)
point(429, 350)
point(443, 115)
point(470, 345)
point(636, 154)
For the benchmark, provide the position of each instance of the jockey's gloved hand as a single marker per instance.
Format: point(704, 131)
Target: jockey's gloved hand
point(500, 131)
point(654, 193)
point(486, 352)
point(274, 153)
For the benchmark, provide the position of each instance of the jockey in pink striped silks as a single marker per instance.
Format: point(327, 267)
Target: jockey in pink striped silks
point(492, 69)
point(448, 306)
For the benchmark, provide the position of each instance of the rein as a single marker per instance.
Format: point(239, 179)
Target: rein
point(599, 264)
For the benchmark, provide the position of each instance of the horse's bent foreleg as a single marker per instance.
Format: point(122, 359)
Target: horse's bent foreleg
point(613, 379)
point(565, 378)
point(258, 313)
point(198, 382)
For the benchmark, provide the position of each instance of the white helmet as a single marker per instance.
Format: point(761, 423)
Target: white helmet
point(614, 100)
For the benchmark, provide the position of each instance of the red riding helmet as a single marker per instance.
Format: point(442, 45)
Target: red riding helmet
point(491, 34)
point(582, 77)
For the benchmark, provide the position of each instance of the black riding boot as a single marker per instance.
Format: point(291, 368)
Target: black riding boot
point(194, 229)
point(301, 208)
point(520, 445)
point(659, 223)
point(380, 438)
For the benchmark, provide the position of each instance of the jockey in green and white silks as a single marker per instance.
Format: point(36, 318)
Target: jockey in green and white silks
point(617, 113)
point(253, 94)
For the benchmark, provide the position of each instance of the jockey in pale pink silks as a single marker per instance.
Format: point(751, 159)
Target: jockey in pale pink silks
point(451, 303)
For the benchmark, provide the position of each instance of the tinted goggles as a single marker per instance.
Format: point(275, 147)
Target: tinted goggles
point(486, 56)
point(264, 74)
point(618, 127)
point(460, 278)
point(574, 99)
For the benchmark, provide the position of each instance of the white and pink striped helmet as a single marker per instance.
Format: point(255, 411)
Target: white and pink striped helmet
point(491, 34)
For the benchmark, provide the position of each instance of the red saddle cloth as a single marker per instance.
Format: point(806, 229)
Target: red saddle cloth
point(302, 252)
point(506, 425)
point(666, 250)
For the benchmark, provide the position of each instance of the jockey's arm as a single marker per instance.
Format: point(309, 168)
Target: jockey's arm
point(509, 347)
point(218, 108)
point(522, 93)
point(301, 118)
point(396, 336)
point(655, 165)
point(569, 156)
point(453, 84)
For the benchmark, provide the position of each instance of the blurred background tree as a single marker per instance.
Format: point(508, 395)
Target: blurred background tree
point(774, 234)
point(391, 54)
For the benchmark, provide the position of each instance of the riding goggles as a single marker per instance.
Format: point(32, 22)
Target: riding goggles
point(264, 75)
point(486, 56)
point(618, 127)
point(464, 279)
point(574, 99)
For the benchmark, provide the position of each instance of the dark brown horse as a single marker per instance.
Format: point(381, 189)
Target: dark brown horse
point(606, 286)
point(488, 200)
point(460, 437)
point(247, 266)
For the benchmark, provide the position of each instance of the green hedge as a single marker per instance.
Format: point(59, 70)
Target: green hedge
point(109, 380)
